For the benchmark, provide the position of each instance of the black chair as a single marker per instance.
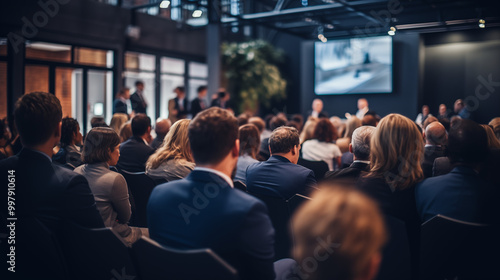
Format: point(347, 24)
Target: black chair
point(140, 187)
point(319, 167)
point(454, 249)
point(240, 186)
point(396, 260)
point(155, 262)
point(96, 254)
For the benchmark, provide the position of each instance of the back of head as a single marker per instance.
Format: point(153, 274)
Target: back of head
point(308, 130)
point(467, 143)
point(283, 139)
point(175, 145)
point(117, 121)
point(428, 121)
point(360, 141)
point(249, 140)
point(98, 122)
point(212, 134)
point(162, 127)
point(125, 132)
point(396, 151)
point(69, 128)
point(493, 142)
point(243, 119)
point(435, 134)
point(276, 122)
point(342, 231)
point(351, 125)
point(258, 122)
point(325, 131)
point(298, 118)
point(370, 120)
point(99, 144)
point(140, 124)
point(37, 116)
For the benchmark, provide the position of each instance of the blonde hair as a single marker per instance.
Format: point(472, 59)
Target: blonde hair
point(117, 121)
point(495, 123)
point(175, 146)
point(396, 151)
point(308, 130)
point(341, 230)
point(351, 125)
point(493, 142)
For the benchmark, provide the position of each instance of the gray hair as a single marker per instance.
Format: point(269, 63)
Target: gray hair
point(361, 141)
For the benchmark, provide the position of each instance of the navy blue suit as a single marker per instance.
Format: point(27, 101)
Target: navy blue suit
point(456, 195)
point(203, 211)
point(133, 155)
point(279, 177)
point(138, 104)
point(119, 106)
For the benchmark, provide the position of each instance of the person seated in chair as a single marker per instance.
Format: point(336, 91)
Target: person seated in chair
point(71, 139)
point(135, 151)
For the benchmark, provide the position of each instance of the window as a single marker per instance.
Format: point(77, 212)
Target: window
point(172, 76)
point(95, 57)
point(36, 78)
point(141, 67)
point(48, 52)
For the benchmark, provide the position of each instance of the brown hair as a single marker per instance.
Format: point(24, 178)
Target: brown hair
point(125, 131)
point(338, 231)
point(351, 125)
point(99, 144)
point(308, 130)
point(249, 140)
point(175, 146)
point(495, 124)
point(325, 131)
point(493, 142)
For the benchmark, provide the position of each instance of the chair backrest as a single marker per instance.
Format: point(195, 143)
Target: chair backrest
point(240, 185)
point(155, 261)
point(96, 254)
point(396, 260)
point(318, 167)
point(140, 187)
point(456, 249)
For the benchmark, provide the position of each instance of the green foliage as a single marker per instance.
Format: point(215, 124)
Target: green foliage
point(252, 72)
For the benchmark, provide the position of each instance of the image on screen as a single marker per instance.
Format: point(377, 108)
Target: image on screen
point(352, 66)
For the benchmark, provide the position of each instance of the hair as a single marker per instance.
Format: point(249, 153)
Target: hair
point(299, 119)
point(180, 88)
point(344, 226)
point(249, 140)
point(117, 121)
point(175, 146)
point(436, 137)
point(69, 128)
point(212, 134)
point(201, 88)
point(361, 141)
point(339, 125)
point(140, 124)
point(283, 139)
point(495, 123)
point(396, 151)
point(98, 122)
point(324, 131)
point(125, 131)
point(122, 92)
point(308, 131)
point(493, 142)
point(99, 144)
point(351, 124)
point(267, 120)
point(258, 122)
point(370, 120)
point(162, 130)
point(243, 119)
point(467, 143)
point(137, 83)
point(37, 116)
point(276, 122)
point(293, 124)
point(428, 121)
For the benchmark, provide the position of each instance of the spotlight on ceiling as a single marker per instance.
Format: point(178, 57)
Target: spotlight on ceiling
point(164, 4)
point(482, 23)
point(392, 31)
point(197, 13)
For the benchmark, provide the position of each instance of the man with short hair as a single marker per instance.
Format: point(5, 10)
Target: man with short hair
point(274, 123)
point(362, 108)
point(178, 106)
point(139, 103)
point(317, 109)
point(204, 210)
point(135, 151)
point(40, 189)
point(199, 104)
point(360, 147)
point(435, 136)
point(161, 128)
point(280, 176)
point(460, 109)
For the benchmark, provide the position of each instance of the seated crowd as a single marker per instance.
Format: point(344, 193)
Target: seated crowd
point(209, 171)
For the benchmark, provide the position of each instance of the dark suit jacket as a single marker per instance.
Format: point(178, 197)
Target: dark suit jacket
point(441, 166)
point(133, 155)
point(218, 103)
point(119, 106)
point(138, 105)
point(181, 114)
point(264, 149)
point(280, 177)
point(430, 154)
point(203, 211)
point(196, 106)
point(322, 114)
point(352, 172)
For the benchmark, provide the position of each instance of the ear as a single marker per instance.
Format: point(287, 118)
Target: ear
point(350, 148)
point(235, 151)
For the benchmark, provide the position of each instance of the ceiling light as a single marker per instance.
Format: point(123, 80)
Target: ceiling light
point(329, 26)
point(197, 13)
point(392, 31)
point(482, 23)
point(164, 4)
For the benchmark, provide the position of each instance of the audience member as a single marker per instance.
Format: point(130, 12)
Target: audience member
point(428, 120)
point(299, 120)
point(457, 194)
point(100, 151)
point(98, 122)
point(339, 125)
point(362, 108)
point(173, 160)
point(120, 103)
point(308, 131)
point(317, 109)
point(443, 112)
point(360, 147)
point(117, 121)
point(493, 142)
point(222, 100)
point(342, 231)
point(260, 124)
point(243, 119)
point(5, 149)
point(212, 214)
point(461, 109)
point(321, 146)
point(436, 138)
point(267, 127)
point(71, 140)
point(351, 124)
point(423, 116)
point(178, 106)
point(138, 100)
point(126, 131)
point(249, 148)
point(161, 128)
point(280, 176)
point(495, 124)
point(199, 104)
point(264, 144)
point(370, 119)
point(135, 151)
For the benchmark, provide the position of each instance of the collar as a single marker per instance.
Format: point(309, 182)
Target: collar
point(224, 176)
point(279, 158)
point(36, 151)
point(362, 161)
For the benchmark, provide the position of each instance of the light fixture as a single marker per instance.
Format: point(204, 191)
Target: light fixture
point(392, 31)
point(482, 23)
point(305, 3)
point(197, 13)
point(164, 4)
point(329, 26)
point(321, 37)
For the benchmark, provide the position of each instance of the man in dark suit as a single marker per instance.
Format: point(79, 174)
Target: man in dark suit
point(360, 147)
point(280, 176)
point(205, 211)
point(38, 188)
point(138, 100)
point(135, 151)
point(198, 104)
point(317, 109)
point(222, 100)
point(435, 140)
point(460, 193)
point(120, 103)
point(178, 106)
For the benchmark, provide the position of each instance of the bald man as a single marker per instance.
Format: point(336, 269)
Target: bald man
point(161, 128)
point(436, 138)
point(317, 109)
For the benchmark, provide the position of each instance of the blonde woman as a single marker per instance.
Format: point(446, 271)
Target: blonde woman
point(308, 129)
point(117, 121)
point(351, 125)
point(173, 160)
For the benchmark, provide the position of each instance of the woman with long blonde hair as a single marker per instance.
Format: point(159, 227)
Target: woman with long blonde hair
point(173, 160)
point(117, 121)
